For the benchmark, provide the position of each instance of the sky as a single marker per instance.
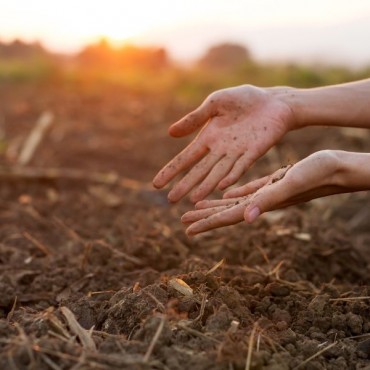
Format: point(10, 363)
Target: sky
point(334, 31)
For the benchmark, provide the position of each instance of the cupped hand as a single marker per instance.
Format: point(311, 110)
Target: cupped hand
point(316, 176)
point(240, 125)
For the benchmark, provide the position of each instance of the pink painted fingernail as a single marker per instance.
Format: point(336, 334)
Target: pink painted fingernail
point(253, 214)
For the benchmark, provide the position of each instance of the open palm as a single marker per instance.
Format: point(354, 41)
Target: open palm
point(240, 125)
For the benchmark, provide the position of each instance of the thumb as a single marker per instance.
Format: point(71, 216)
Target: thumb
point(270, 197)
point(191, 121)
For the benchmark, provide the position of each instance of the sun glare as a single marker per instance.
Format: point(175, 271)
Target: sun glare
point(76, 22)
point(114, 31)
point(119, 20)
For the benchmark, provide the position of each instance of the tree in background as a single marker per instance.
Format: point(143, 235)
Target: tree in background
point(225, 56)
point(17, 49)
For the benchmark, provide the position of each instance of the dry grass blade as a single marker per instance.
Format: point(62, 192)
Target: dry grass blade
point(258, 342)
point(215, 267)
point(111, 178)
point(50, 362)
point(106, 196)
point(271, 342)
point(42, 247)
point(197, 333)
point(252, 270)
point(260, 271)
point(11, 312)
point(26, 342)
point(108, 335)
point(307, 360)
point(70, 232)
point(276, 269)
point(181, 286)
point(250, 348)
point(359, 336)
point(35, 137)
point(301, 286)
point(263, 254)
point(349, 299)
point(202, 308)
point(154, 340)
point(234, 326)
point(68, 357)
point(306, 237)
point(56, 335)
point(84, 335)
point(91, 294)
point(155, 299)
point(119, 253)
point(57, 326)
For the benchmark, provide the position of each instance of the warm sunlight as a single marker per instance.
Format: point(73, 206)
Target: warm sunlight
point(70, 23)
point(117, 20)
point(331, 29)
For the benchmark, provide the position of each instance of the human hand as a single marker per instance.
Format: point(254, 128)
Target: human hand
point(240, 125)
point(316, 176)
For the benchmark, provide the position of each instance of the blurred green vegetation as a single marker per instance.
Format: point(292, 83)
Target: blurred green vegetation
point(195, 83)
point(36, 69)
point(150, 70)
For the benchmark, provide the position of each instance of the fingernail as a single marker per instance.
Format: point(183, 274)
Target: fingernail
point(253, 214)
point(171, 198)
point(156, 183)
point(185, 218)
point(190, 233)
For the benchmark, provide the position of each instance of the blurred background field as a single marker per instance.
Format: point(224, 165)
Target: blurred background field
point(151, 69)
point(119, 87)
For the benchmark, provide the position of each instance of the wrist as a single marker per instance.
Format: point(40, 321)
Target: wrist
point(291, 97)
point(345, 105)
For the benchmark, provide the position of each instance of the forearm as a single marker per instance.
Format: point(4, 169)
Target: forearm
point(345, 105)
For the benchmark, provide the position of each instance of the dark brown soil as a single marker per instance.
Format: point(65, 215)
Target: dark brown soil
point(292, 293)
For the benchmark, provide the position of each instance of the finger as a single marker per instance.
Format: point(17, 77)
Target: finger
point(230, 216)
point(193, 177)
point(203, 204)
point(272, 196)
point(221, 169)
point(191, 121)
point(192, 153)
point(193, 216)
point(240, 166)
point(246, 189)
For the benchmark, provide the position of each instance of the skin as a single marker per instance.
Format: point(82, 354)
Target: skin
point(321, 174)
point(241, 124)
